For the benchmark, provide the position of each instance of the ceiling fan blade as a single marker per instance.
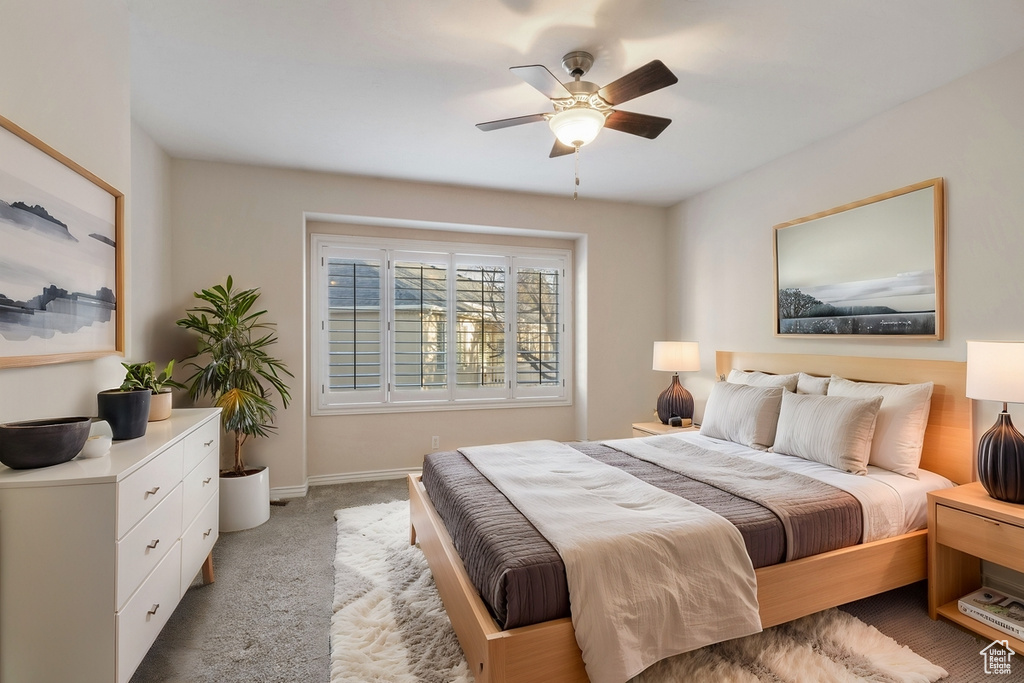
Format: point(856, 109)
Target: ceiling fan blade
point(644, 125)
point(648, 78)
point(515, 121)
point(543, 80)
point(560, 150)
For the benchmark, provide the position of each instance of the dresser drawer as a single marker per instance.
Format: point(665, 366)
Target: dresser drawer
point(143, 489)
point(146, 544)
point(198, 540)
point(200, 443)
point(981, 536)
point(140, 621)
point(200, 485)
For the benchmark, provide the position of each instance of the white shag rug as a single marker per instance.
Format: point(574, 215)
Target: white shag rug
point(389, 627)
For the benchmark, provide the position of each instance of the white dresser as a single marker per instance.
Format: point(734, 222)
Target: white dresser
point(95, 554)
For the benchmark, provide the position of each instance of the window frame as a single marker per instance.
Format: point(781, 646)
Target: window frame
point(453, 397)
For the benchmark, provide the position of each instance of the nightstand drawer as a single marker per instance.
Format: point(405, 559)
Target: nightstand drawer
point(980, 536)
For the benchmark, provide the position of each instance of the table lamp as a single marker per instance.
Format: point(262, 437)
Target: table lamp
point(995, 372)
point(676, 357)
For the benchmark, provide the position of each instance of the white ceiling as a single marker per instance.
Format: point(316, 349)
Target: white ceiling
point(393, 88)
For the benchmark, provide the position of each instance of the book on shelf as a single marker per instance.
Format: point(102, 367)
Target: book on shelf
point(999, 610)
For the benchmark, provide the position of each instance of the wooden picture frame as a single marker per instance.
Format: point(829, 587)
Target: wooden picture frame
point(871, 268)
point(61, 256)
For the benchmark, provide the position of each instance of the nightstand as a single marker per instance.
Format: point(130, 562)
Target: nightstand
point(653, 428)
point(966, 526)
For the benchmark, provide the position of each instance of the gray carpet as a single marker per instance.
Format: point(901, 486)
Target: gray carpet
point(267, 616)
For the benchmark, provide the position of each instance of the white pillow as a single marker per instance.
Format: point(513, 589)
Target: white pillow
point(763, 379)
point(809, 384)
point(742, 414)
point(833, 430)
point(902, 419)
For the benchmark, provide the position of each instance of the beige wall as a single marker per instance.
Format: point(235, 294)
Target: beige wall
point(249, 222)
point(969, 132)
point(64, 76)
point(153, 311)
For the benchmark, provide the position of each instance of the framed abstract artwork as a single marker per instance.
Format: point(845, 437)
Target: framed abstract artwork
point(61, 259)
point(874, 268)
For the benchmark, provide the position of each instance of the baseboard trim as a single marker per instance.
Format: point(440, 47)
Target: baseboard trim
point(278, 492)
point(370, 475)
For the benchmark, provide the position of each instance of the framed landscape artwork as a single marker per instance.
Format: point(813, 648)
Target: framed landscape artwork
point(869, 268)
point(60, 256)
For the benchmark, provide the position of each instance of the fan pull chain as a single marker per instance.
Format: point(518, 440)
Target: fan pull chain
point(575, 189)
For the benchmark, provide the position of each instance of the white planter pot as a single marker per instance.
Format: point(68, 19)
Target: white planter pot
point(244, 501)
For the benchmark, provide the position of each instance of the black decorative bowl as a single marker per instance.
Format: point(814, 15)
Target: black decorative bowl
point(41, 443)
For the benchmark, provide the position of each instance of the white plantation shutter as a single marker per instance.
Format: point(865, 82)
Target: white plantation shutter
point(481, 327)
point(429, 325)
point(539, 326)
point(352, 326)
point(419, 326)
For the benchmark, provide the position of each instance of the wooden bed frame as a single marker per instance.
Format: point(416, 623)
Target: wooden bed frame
point(548, 651)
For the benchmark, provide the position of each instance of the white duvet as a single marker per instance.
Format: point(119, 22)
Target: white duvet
point(892, 504)
point(650, 574)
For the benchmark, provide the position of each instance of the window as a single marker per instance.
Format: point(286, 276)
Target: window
point(438, 325)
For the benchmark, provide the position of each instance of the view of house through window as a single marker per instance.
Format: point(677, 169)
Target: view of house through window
point(397, 322)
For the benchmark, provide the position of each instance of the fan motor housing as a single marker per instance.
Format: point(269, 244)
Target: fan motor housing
point(577, 63)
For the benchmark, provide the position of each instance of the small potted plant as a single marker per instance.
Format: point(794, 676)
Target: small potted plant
point(233, 368)
point(144, 376)
point(126, 409)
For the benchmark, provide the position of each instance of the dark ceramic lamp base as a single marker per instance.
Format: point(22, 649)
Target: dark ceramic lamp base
point(675, 401)
point(1001, 461)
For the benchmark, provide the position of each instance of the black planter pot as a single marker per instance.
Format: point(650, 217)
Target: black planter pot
point(126, 411)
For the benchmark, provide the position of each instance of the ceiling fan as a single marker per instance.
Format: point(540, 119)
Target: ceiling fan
point(582, 109)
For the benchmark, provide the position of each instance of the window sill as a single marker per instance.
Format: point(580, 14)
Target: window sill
point(438, 406)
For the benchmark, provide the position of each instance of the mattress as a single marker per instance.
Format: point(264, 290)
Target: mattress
point(521, 577)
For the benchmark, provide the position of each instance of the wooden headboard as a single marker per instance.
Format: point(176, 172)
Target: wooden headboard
point(949, 439)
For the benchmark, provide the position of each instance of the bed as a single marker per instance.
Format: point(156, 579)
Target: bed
point(548, 650)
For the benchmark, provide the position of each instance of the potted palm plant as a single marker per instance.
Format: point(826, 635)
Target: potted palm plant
point(144, 376)
point(233, 368)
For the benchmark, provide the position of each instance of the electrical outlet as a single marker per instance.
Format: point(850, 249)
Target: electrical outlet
point(435, 443)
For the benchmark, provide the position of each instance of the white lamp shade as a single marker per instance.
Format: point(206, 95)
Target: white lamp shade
point(995, 371)
point(577, 126)
point(676, 356)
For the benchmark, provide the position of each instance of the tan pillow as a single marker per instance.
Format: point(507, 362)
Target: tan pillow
point(902, 420)
point(763, 379)
point(833, 430)
point(742, 414)
point(809, 384)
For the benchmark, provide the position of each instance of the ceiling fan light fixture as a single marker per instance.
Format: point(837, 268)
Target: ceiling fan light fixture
point(577, 126)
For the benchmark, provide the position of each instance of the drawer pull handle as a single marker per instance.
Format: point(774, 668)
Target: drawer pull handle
point(154, 544)
point(207, 532)
point(207, 480)
point(208, 443)
point(153, 611)
point(152, 491)
point(990, 521)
